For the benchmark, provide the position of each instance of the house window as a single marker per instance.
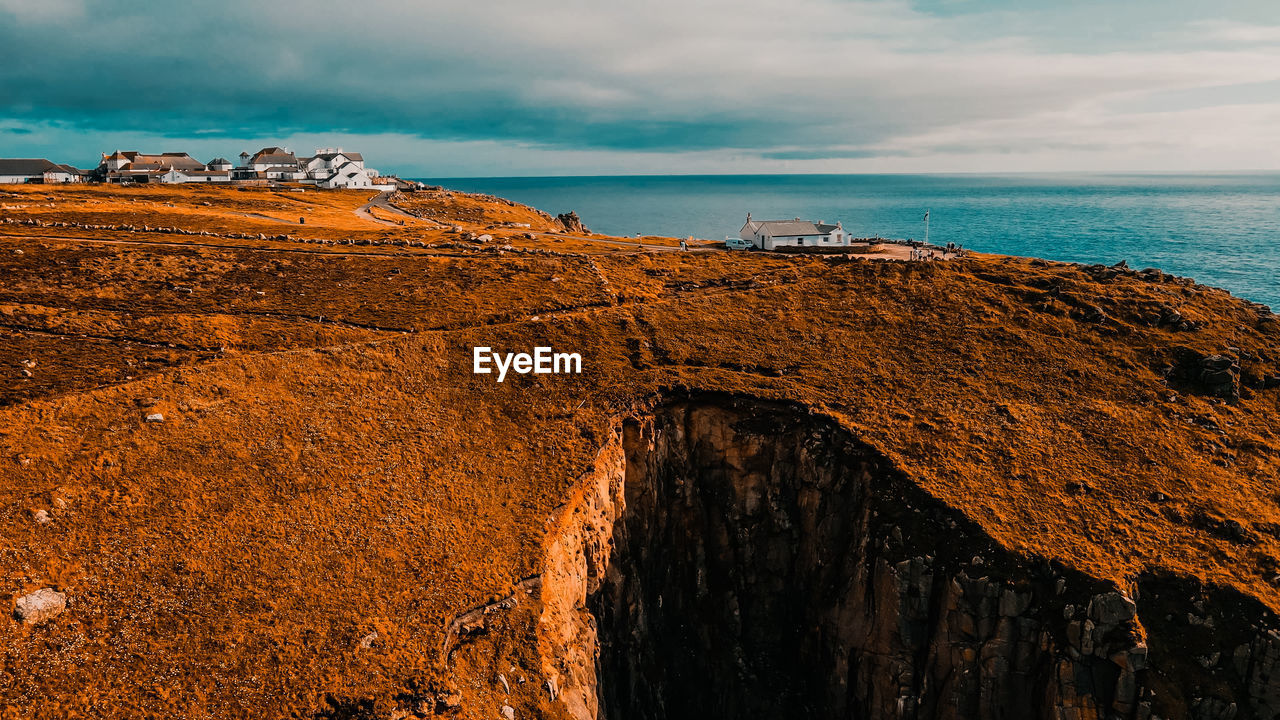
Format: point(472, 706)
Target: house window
point(799, 241)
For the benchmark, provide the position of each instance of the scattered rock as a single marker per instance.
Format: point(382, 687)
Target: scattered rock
point(508, 712)
point(155, 417)
point(39, 606)
point(449, 702)
point(367, 641)
point(42, 517)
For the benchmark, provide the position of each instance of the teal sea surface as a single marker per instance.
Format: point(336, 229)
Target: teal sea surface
point(1221, 229)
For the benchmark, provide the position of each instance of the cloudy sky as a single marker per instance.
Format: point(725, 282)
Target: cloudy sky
point(533, 87)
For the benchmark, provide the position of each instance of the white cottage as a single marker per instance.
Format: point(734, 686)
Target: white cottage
point(771, 234)
point(36, 170)
point(337, 168)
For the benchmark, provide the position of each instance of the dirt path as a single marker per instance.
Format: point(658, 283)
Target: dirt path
point(382, 202)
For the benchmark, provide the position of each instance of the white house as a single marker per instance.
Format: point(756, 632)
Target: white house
point(770, 234)
point(36, 170)
point(337, 168)
point(285, 173)
point(267, 158)
point(326, 160)
point(174, 176)
point(349, 175)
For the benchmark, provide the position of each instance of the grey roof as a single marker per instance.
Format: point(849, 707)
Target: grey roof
point(181, 161)
point(789, 227)
point(275, 159)
point(274, 156)
point(219, 161)
point(347, 155)
point(25, 166)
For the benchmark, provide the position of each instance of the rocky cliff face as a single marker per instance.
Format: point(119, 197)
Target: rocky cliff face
point(730, 558)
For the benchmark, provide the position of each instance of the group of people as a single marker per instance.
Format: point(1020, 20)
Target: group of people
point(922, 253)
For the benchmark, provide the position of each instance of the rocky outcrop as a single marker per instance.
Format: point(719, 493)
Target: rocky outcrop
point(572, 223)
point(1213, 375)
point(731, 558)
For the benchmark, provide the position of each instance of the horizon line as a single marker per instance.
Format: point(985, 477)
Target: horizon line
point(988, 173)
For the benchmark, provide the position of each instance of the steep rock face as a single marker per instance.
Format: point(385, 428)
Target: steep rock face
point(741, 559)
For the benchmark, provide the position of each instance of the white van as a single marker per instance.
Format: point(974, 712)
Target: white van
point(736, 243)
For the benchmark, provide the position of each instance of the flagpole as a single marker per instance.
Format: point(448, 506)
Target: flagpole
point(926, 227)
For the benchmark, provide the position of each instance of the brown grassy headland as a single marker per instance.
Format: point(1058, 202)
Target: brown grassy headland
point(331, 484)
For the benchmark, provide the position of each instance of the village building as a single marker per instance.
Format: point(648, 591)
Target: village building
point(174, 176)
point(272, 163)
point(329, 168)
point(37, 170)
point(336, 168)
point(129, 166)
point(772, 234)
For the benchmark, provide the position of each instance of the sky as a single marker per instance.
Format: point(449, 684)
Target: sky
point(589, 87)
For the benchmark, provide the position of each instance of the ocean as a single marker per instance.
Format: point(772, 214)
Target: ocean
point(1221, 229)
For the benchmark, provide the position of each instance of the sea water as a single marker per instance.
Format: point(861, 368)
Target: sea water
point(1221, 229)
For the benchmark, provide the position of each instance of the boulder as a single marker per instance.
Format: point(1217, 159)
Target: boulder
point(39, 606)
point(1111, 609)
